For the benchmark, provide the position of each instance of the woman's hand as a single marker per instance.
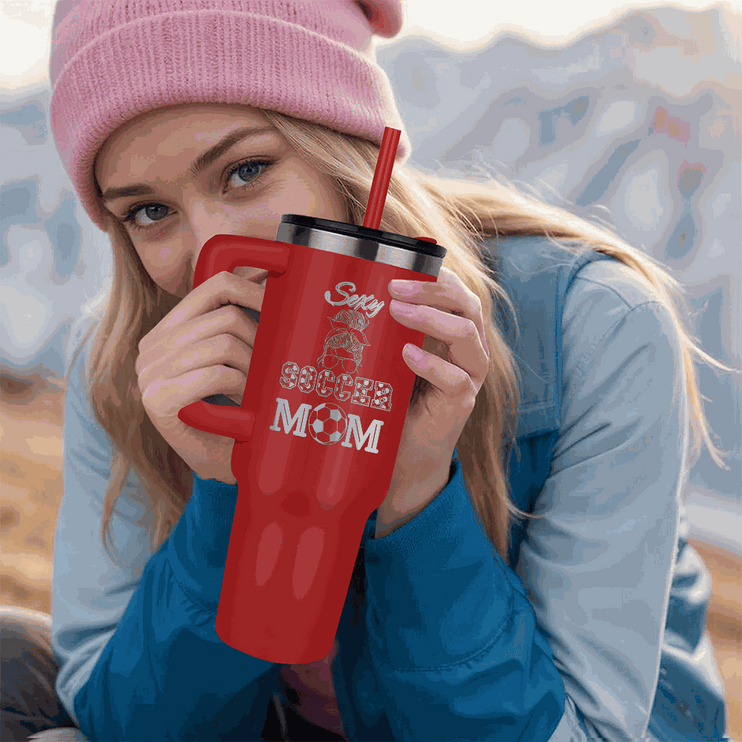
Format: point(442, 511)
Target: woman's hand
point(451, 316)
point(202, 347)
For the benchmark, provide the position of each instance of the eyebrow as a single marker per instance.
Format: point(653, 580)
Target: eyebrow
point(199, 165)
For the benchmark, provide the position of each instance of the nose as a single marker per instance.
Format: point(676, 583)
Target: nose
point(207, 219)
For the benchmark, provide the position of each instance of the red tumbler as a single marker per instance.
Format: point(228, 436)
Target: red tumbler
point(318, 431)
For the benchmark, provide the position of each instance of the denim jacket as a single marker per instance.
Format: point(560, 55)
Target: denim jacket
point(689, 700)
point(594, 632)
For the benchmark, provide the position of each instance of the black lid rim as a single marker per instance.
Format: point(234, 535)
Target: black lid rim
point(377, 235)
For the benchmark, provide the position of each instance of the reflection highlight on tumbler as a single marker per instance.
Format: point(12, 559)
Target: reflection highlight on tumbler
point(308, 556)
point(269, 549)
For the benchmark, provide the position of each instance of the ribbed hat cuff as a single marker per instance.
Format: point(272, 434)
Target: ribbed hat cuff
point(212, 57)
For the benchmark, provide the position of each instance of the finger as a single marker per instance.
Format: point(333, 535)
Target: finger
point(448, 294)
point(219, 290)
point(167, 397)
point(458, 334)
point(226, 320)
point(447, 378)
point(225, 351)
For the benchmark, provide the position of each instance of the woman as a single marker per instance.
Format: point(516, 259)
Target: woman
point(516, 582)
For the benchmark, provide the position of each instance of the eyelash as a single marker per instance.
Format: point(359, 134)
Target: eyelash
point(131, 214)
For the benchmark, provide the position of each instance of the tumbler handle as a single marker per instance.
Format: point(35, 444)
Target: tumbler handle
point(225, 252)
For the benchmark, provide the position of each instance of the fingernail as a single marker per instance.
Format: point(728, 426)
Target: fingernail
point(414, 352)
point(401, 287)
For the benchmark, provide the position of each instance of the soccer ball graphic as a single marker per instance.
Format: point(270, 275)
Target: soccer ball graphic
point(327, 424)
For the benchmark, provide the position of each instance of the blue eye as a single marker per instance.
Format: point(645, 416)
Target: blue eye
point(153, 212)
point(247, 172)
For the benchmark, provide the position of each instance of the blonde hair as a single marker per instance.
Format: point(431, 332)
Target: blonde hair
point(457, 214)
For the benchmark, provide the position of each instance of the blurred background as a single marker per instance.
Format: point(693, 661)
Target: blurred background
point(626, 113)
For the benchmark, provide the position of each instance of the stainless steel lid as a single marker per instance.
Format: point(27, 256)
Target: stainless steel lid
point(420, 255)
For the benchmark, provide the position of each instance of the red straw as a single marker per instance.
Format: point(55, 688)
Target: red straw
point(382, 175)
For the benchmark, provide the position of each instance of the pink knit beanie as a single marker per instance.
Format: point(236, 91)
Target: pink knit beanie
point(112, 60)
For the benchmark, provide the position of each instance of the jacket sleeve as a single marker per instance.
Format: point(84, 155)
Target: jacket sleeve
point(454, 642)
point(139, 654)
point(598, 565)
point(567, 646)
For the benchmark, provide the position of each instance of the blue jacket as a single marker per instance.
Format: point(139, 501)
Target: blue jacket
point(596, 632)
